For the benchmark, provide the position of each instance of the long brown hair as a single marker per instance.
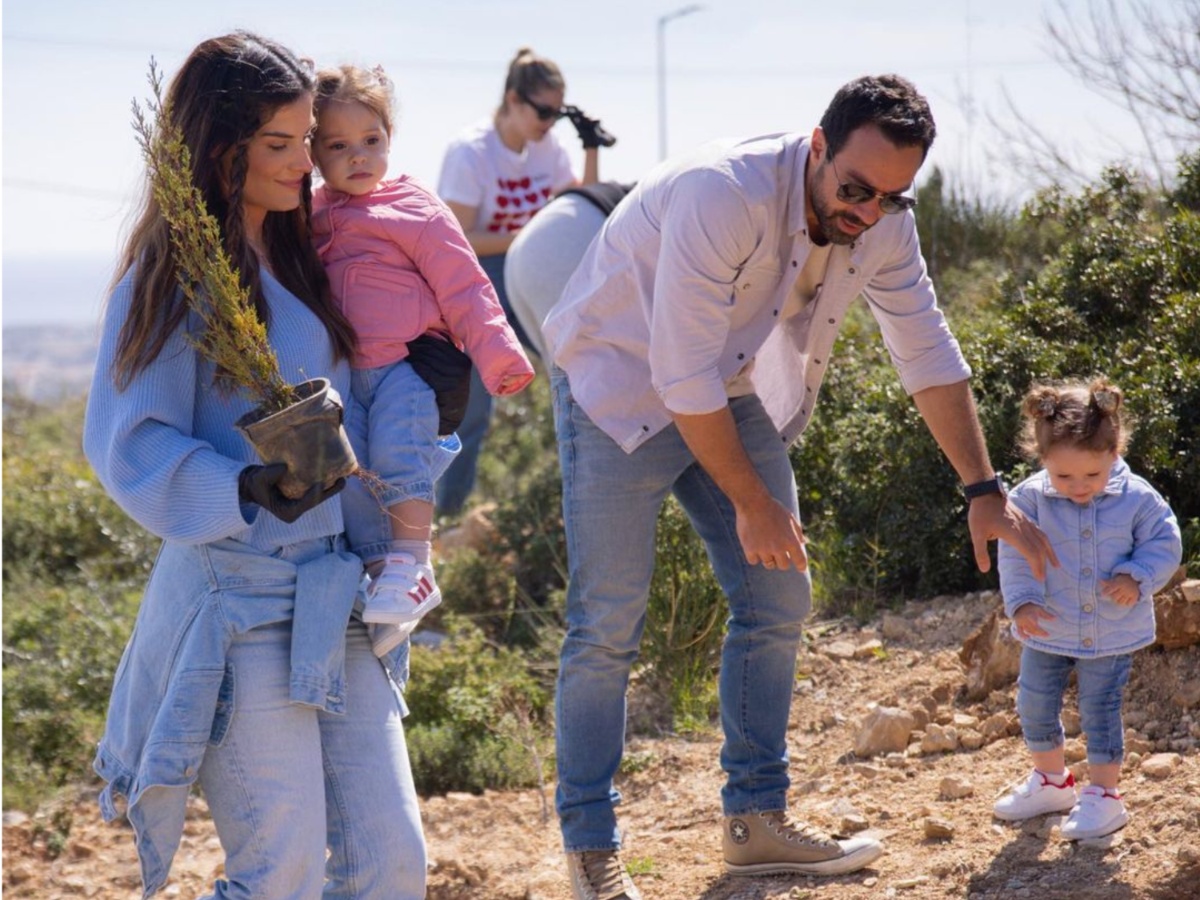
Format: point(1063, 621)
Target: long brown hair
point(226, 90)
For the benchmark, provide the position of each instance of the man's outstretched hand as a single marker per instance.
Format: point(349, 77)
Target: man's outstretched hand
point(992, 518)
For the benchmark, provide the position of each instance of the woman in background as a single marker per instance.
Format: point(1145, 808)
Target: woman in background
point(495, 176)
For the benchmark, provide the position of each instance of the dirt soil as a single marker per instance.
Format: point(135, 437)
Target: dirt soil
point(505, 845)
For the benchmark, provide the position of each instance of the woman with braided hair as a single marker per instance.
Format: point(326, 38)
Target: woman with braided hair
point(293, 733)
point(1117, 543)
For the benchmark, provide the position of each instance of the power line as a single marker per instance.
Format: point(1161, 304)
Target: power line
point(632, 71)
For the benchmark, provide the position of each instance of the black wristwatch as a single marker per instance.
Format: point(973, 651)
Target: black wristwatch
point(994, 485)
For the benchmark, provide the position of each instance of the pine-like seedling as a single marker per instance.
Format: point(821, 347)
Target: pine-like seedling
point(233, 337)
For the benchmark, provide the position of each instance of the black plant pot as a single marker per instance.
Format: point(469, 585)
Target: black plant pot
point(308, 436)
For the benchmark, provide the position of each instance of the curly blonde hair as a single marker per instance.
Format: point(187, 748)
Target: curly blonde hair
point(1077, 414)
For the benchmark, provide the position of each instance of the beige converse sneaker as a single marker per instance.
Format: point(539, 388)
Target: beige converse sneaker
point(767, 842)
point(599, 875)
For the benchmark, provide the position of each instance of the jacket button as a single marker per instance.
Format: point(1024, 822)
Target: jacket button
point(1085, 572)
point(1087, 642)
point(1087, 532)
point(1087, 607)
point(741, 356)
point(852, 270)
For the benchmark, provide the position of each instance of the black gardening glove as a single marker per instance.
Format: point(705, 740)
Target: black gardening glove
point(260, 484)
point(447, 370)
point(590, 131)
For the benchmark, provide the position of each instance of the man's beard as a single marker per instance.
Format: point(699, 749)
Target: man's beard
point(827, 223)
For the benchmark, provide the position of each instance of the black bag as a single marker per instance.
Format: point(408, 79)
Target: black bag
point(447, 370)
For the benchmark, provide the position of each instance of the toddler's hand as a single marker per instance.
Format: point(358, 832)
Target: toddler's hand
point(510, 384)
point(1121, 589)
point(1026, 619)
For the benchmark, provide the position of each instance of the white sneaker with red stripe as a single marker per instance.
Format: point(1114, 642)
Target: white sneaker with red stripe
point(1036, 796)
point(1098, 812)
point(402, 592)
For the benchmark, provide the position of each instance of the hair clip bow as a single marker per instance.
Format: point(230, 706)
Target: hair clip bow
point(1047, 406)
point(1105, 400)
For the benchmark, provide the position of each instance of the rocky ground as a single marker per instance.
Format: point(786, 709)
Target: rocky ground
point(930, 803)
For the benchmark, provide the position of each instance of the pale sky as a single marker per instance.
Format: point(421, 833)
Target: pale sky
point(734, 68)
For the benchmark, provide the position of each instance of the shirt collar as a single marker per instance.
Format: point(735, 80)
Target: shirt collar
point(1118, 478)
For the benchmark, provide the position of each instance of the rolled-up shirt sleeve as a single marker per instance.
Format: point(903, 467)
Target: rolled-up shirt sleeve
point(919, 341)
point(708, 232)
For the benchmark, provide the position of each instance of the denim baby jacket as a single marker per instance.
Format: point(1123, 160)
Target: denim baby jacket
point(164, 446)
point(1127, 528)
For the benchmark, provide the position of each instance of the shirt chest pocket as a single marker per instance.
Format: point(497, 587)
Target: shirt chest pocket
point(384, 303)
point(755, 286)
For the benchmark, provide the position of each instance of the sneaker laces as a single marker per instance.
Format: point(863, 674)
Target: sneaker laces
point(799, 832)
point(603, 871)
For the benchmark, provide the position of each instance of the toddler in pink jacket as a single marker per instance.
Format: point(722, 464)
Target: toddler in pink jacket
point(405, 276)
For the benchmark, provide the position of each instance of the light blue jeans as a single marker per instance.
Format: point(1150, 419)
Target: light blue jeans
point(611, 501)
point(1101, 682)
point(288, 780)
point(392, 424)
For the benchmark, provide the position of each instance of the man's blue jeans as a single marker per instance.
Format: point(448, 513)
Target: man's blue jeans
point(610, 505)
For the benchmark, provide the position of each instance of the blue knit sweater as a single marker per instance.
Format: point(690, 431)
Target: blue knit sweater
point(166, 448)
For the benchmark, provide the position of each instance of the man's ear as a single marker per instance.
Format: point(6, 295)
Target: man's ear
point(818, 143)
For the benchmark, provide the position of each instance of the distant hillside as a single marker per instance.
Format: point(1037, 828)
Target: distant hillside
point(49, 362)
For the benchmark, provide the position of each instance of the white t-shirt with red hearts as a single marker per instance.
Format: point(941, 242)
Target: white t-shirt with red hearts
point(506, 187)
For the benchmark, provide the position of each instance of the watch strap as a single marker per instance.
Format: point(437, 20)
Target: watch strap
point(993, 485)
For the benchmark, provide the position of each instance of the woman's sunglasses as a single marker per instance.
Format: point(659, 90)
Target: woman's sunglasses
point(545, 113)
point(849, 192)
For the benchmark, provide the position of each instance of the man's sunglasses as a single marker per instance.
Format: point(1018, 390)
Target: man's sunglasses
point(849, 192)
point(545, 113)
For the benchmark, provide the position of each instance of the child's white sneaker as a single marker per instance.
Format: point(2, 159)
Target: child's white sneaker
point(386, 638)
point(1098, 812)
point(402, 592)
point(1036, 796)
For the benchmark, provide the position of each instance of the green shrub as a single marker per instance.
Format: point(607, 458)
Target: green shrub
point(685, 623)
point(73, 567)
point(1115, 292)
point(478, 715)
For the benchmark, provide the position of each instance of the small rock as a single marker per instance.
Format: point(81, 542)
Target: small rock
point(906, 883)
point(1189, 856)
point(894, 627)
point(13, 817)
point(939, 739)
point(1106, 842)
point(1075, 751)
point(970, 739)
point(853, 824)
point(938, 829)
point(994, 727)
point(868, 649)
point(955, 787)
point(838, 650)
point(1071, 722)
point(884, 730)
point(1160, 765)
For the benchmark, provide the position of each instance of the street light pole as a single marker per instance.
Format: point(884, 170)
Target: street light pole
point(662, 71)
